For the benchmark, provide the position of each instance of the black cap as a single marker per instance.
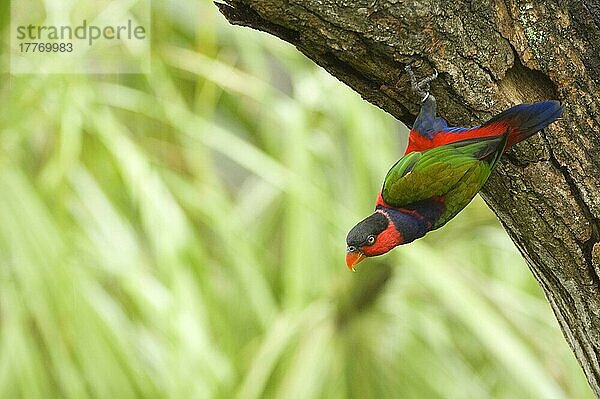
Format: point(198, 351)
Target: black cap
point(372, 225)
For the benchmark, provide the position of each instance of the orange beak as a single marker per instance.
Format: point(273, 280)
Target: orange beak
point(353, 259)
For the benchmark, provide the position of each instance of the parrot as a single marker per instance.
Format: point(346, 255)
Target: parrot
point(441, 171)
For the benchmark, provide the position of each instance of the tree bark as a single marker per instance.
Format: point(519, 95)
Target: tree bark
point(490, 56)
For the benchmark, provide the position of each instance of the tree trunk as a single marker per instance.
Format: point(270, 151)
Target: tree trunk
point(490, 56)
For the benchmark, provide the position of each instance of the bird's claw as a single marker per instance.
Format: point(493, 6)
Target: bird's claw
point(422, 87)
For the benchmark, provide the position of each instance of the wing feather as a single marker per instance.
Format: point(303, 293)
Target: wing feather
point(455, 171)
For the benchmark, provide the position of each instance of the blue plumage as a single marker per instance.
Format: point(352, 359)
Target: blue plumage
point(528, 119)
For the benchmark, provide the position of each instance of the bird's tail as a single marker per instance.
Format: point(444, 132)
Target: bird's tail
point(524, 120)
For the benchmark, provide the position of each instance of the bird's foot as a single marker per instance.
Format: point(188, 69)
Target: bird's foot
point(422, 87)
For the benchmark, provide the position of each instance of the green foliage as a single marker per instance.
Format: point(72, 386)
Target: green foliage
point(181, 235)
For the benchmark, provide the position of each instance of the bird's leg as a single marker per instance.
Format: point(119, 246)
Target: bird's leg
point(422, 87)
point(427, 120)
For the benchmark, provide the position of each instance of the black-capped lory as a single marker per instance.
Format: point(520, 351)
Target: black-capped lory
point(442, 170)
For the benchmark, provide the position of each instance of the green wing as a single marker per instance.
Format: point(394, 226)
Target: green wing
point(454, 171)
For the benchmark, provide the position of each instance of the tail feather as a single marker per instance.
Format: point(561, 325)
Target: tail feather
point(524, 120)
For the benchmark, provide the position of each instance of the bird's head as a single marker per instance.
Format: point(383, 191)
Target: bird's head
point(374, 235)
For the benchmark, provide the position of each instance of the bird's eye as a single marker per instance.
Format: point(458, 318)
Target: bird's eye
point(371, 240)
point(351, 248)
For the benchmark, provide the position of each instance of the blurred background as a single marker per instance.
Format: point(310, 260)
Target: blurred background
point(182, 235)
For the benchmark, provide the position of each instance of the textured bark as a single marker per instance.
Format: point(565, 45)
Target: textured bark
point(490, 56)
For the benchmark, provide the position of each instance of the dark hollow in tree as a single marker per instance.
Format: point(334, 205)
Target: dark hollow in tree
point(490, 55)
